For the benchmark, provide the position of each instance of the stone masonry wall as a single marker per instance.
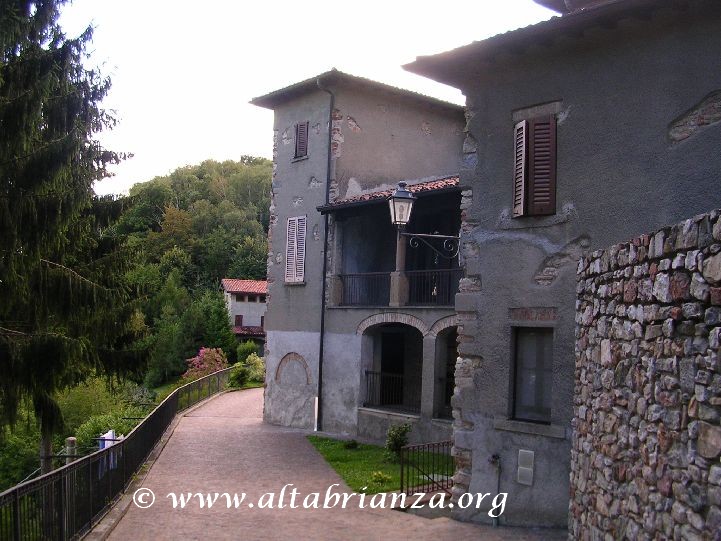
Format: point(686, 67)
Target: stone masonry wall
point(647, 402)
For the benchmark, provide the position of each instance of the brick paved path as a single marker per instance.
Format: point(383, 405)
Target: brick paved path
point(223, 446)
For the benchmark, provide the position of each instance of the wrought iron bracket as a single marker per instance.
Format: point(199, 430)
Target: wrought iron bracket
point(449, 245)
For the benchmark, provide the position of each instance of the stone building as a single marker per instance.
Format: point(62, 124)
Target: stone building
point(582, 131)
point(362, 337)
point(246, 303)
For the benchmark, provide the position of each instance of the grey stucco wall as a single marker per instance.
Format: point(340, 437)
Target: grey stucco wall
point(251, 311)
point(620, 173)
point(377, 139)
point(386, 138)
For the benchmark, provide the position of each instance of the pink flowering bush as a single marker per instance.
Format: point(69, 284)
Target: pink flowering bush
point(207, 361)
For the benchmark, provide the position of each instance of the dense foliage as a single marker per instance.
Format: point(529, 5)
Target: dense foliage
point(190, 229)
point(66, 309)
point(95, 287)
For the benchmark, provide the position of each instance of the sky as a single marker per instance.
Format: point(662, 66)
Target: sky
point(183, 71)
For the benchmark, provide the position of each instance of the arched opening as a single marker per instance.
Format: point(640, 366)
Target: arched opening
point(446, 356)
point(394, 374)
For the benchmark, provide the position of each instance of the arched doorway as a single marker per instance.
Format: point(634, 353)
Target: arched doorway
point(394, 374)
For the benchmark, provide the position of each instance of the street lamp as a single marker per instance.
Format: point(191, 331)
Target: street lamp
point(401, 205)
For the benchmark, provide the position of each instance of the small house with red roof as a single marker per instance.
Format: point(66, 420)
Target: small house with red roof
point(246, 304)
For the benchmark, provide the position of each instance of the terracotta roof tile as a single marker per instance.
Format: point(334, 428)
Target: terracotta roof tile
point(431, 185)
point(231, 285)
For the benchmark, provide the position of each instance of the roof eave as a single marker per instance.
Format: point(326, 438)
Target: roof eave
point(452, 67)
point(334, 76)
point(327, 209)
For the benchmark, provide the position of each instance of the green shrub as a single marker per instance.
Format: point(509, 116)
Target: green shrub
point(238, 376)
point(245, 349)
point(256, 368)
point(122, 421)
point(380, 478)
point(397, 437)
point(19, 450)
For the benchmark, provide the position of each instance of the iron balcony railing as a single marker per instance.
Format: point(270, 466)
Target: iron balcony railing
point(65, 503)
point(428, 467)
point(366, 289)
point(433, 287)
point(389, 391)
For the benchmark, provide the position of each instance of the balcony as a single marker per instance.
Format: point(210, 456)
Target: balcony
point(409, 288)
point(365, 289)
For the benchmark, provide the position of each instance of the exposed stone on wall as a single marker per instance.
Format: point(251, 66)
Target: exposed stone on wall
point(548, 270)
point(336, 133)
point(704, 113)
point(353, 125)
point(467, 363)
point(647, 402)
point(272, 222)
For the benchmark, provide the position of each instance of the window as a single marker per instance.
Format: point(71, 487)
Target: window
point(301, 140)
point(262, 321)
point(533, 378)
point(534, 168)
point(295, 250)
point(238, 321)
point(239, 298)
point(251, 298)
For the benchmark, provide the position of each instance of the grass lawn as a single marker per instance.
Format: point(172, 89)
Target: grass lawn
point(359, 467)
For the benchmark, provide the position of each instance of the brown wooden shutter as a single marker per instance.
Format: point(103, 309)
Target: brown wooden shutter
point(541, 184)
point(300, 250)
point(290, 249)
point(238, 320)
point(519, 169)
point(301, 139)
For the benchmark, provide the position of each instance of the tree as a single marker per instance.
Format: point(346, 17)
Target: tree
point(250, 259)
point(66, 309)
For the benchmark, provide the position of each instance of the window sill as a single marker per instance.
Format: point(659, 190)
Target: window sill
point(507, 221)
point(549, 431)
point(293, 284)
point(299, 159)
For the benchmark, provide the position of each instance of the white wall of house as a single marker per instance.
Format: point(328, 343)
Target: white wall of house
point(251, 310)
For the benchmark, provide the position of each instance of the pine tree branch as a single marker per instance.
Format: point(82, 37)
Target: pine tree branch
point(75, 274)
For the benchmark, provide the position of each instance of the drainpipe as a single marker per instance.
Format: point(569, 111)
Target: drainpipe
point(319, 420)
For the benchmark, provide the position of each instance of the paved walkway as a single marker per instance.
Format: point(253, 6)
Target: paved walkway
point(223, 446)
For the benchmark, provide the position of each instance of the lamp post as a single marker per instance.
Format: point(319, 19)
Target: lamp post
point(401, 205)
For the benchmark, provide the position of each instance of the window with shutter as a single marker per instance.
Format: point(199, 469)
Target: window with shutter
point(295, 250)
point(301, 140)
point(238, 321)
point(534, 169)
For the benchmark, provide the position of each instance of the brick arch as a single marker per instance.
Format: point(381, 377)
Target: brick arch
point(443, 323)
point(392, 317)
point(289, 358)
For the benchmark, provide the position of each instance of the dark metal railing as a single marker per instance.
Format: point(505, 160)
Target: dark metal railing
point(366, 289)
point(65, 503)
point(427, 467)
point(390, 391)
point(433, 287)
